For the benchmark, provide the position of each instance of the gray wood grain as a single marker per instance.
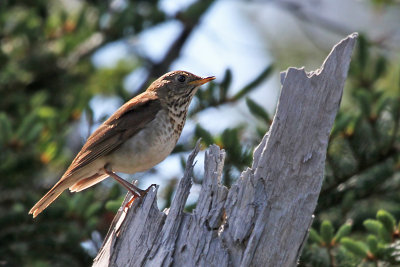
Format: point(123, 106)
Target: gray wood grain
point(264, 218)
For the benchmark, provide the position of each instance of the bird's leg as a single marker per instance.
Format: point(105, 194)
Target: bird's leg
point(136, 192)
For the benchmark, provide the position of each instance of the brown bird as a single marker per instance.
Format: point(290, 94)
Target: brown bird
point(139, 135)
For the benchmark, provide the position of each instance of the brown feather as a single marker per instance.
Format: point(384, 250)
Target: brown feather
point(87, 182)
point(168, 93)
point(124, 123)
point(47, 199)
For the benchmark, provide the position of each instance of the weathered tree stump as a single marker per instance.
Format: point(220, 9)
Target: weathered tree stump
point(264, 218)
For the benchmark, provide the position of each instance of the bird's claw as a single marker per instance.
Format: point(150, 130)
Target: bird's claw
point(141, 194)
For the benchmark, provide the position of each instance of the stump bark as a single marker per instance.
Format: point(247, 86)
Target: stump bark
point(264, 218)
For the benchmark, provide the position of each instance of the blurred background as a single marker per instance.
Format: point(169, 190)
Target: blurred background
point(66, 65)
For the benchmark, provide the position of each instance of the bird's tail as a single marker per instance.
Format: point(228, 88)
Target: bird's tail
point(87, 182)
point(47, 199)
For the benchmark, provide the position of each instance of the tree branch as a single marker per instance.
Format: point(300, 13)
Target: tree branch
point(190, 19)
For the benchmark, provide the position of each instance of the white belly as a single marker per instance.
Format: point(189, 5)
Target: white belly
point(146, 149)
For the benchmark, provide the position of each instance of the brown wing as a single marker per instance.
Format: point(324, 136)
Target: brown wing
point(125, 122)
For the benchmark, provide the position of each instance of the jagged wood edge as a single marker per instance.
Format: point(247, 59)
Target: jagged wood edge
point(263, 220)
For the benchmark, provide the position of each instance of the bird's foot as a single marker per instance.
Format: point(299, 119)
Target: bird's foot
point(142, 194)
point(135, 191)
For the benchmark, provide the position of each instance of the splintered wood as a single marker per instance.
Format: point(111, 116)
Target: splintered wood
point(264, 218)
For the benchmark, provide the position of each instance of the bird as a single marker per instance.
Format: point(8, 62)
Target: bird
point(138, 136)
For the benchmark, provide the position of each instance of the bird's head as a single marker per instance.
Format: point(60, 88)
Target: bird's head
point(176, 85)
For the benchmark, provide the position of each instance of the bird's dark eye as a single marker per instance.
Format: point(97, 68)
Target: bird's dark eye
point(181, 78)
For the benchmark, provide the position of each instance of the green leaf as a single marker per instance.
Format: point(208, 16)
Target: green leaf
point(50, 150)
point(113, 205)
point(47, 112)
point(5, 128)
point(91, 222)
point(348, 200)
point(195, 9)
point(362, 52)
point(341, 123)
point(83, 202)
point(387, 220)
point(385, 235)
point(353, 125)
point(209, 97)
point(230, 141)
point(380, 67)
point(381, 105)
point(372, 242)
point(224, 85)
point(38, 99)
point(33, 133)
point(372, 226)
point(92, 210)
point(343, 231)
point(252, 85)
point(26, 125)
point(363, 98)
point(205, 135)
point(257, 110)
point(326, 231)
point(81, 17)
point(356, 247)
point(114, 192)
point(315, 237)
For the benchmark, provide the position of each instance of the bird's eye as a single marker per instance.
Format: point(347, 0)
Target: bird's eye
point(181, 78)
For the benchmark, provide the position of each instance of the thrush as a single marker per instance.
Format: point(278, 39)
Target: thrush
point(139, 135)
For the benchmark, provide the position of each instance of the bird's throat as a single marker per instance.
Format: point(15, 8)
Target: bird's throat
point(177, 111)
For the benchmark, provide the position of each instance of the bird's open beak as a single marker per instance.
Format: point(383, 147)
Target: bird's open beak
point(202, 81)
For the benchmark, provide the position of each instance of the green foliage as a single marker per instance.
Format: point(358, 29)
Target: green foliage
point(326, 231)
point(315, 237)
point(206, 136)
point(384, 3)
point(47, 80)
point(372, 243)
point(258, 111)
point(343, 231)
point(355, 247)
point(218, 94)
point(238, 156)
point(387, 220)
point(113, 205)
point(362, 166)
point(325, 244)
point(365, 135)
point(372, 226)
point(375, 247)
